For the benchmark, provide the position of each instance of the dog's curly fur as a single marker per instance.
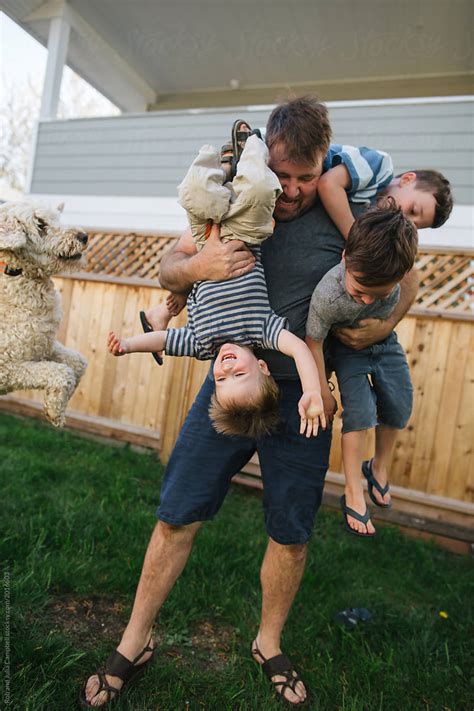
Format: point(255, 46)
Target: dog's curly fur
point(33, 242)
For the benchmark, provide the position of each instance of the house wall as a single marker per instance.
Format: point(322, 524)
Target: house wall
point(123, 171)
point(148, 154)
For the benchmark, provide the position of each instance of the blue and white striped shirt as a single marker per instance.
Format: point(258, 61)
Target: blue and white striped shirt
point(235, 311)
point(369, 170)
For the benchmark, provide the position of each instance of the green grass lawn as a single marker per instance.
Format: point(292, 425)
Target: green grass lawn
point(76, 516)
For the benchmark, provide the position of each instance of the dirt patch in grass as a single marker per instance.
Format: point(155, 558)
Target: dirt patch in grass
point(207, 646)
point(87, 620)
point(94, 619)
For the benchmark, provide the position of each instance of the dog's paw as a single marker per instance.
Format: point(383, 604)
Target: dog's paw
point(56, 419)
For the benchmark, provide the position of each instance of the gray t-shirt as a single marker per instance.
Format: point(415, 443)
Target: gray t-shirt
point(331, 305)
point(295, 258)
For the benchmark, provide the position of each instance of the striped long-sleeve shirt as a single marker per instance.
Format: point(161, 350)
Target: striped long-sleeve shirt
point(235, 311)
point(369, 170)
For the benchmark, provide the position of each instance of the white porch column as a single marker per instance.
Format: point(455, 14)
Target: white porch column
point(58, 40)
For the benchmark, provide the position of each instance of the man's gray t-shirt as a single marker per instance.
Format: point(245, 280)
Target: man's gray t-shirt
point(331, 305)
point(295, 258)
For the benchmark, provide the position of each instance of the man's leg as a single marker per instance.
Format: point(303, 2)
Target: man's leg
point(280, 576)
point(293, 472)
point(196, 481)
point(166, 556)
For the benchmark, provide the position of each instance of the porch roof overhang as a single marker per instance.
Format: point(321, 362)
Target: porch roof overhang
point(163, 53)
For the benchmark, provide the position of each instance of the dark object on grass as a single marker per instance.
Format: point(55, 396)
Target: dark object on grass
point(147, 327)
point(121, 667)
point(351, 617)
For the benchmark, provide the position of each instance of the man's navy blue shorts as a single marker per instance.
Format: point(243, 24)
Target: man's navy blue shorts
point(203, 463)
point(374, 383)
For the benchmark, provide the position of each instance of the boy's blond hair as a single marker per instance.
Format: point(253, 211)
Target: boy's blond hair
point(254, 419)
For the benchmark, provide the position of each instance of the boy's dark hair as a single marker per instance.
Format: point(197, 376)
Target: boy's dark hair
point(255, 419)
point(382, 245)
point(431, 181)
point(302, 125)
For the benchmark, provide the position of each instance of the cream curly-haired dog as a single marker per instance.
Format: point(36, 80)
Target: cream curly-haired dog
point(33, 247)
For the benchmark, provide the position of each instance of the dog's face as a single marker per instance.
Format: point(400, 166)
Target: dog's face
point(32, 239)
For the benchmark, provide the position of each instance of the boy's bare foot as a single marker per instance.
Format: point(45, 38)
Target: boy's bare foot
point(355, 500)
point(176, 303)
point(160, 316)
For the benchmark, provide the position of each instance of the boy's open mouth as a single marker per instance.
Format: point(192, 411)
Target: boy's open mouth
point(229, 356)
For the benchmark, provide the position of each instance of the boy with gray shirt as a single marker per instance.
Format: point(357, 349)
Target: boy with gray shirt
point(374, 383)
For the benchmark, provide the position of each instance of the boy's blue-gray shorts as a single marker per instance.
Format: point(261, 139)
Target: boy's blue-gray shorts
point(203, 463)
point(374, 383)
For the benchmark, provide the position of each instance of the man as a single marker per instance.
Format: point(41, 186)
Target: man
point(304, 246)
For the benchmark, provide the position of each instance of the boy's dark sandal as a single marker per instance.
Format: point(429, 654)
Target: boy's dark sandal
point(351, 617)
point(231, 152)
point(363, 518)
point(147, 327)
point(280, 665)
point(372, 482)
point(121, 667)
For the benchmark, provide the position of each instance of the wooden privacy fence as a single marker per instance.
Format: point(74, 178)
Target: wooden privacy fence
point(132, 399)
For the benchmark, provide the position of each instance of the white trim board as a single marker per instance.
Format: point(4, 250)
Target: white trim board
point(156, 214)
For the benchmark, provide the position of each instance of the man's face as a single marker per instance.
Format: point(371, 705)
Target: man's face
point(299, 182)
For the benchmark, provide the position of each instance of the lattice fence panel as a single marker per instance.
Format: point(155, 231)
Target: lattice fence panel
point(126, 255)
point(446, 283)
point(446, 277)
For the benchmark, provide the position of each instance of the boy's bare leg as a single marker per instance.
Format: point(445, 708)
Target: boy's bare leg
point(353, 444)
point(160, 316)
point(384, 442)
point(166, 556)
point(281, 573)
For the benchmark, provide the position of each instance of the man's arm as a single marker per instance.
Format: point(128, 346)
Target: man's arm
point(373, 330)
point(183, 265)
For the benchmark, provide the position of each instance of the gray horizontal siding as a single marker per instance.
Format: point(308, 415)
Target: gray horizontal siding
point(147, 155)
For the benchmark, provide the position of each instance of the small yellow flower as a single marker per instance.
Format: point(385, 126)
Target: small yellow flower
point(443, 614)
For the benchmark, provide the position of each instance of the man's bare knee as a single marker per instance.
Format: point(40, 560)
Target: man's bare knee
point(177, 534)
point(295, 551)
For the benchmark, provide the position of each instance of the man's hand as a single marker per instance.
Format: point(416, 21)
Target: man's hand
point(218, 261)
point(311, 411)
point(330, 405)
point(370, 331)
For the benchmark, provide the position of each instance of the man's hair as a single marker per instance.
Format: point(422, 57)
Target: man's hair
point(382, 245)
point(302, 125)
point(430, 181)
point(256, 418)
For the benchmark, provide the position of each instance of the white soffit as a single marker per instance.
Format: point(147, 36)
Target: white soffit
point(135, 50)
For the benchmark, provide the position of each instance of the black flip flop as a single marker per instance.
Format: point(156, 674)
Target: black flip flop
point(363, 518)
point(147, 327)
point(372, 482)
